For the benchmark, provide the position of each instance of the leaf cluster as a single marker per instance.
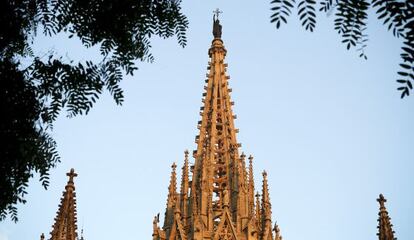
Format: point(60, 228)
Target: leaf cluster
point(351, 24)
point(34, 96)
point(25, 148)
point(399, 16)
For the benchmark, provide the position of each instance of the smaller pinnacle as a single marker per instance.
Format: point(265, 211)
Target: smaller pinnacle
point(385, 231)
point(276, 229)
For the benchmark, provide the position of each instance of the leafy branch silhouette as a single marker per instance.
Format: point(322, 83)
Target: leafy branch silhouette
point(33, 97)
point(351, 24)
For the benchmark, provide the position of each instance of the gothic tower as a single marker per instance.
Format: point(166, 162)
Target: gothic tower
point(219, 201)
point(65, 227)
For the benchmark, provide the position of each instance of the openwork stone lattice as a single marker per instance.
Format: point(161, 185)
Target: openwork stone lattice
point(219, 202)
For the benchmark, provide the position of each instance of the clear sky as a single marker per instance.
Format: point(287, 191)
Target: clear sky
point(329, 128)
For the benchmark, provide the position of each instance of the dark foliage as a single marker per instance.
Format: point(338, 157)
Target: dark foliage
point(25, 146)
point(351, 23)
point(306, 13)
point(33, 97)
point(281, 10)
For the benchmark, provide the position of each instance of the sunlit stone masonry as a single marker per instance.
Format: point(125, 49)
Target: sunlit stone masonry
point(65, 226)
point(219, 202)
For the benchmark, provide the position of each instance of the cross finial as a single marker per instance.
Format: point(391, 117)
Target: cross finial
point(381, 199)
point(71, 174)
point(217, 13)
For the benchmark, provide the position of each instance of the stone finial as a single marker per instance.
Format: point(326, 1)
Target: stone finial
point(266, 206)
point(172, 188)
point(258, 208)
point(71, 174)
point(250, 187)
point(381, 200)
point(385, 231)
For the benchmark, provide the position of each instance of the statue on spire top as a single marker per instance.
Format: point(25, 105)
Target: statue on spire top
point(216, 24)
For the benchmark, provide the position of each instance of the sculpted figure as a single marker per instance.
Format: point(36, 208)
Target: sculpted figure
point(226, 199)
point(216, 28)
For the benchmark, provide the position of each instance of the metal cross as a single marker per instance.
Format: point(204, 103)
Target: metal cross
point(217, 13)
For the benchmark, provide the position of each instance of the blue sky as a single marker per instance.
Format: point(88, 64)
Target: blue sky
point(329, 128)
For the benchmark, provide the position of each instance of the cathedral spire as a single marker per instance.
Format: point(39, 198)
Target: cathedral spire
point(218, 202)
point(217, 164)
point(65, 222)
point(385, 231)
